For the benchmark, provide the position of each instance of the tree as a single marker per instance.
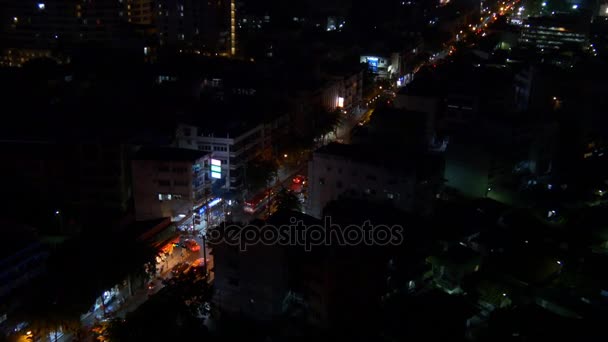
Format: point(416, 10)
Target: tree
point(78, 273)
point(259, 174)
point(45, 314)
point(325, 122)
point(287, 200)
point(171, 314)
point(294, 149)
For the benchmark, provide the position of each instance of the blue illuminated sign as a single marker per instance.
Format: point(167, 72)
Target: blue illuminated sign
point(214, 202)
point(211, 204)
point(372, 63)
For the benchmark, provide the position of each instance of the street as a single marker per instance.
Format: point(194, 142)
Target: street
point(122, 304)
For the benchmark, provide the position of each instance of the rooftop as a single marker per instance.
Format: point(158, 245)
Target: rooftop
point(168, 154)
point(362, 154)
point(571, 22)
point(230, 118)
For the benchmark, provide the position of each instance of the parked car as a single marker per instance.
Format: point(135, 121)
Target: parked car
point(180, 268)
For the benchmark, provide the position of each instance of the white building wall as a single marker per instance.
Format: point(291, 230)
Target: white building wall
point(222, 148)
point(331, 177)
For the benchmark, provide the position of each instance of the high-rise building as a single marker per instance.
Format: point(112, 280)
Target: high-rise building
point(206, 26)
point(29, 29)
point(559, 32)
point(45, 27)
point(55, 23)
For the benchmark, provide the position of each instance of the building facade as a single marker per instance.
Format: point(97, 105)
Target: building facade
point(234, 149)
point(251, 283)
point(343, 92)
point(31, 28)
point(383, 66)
point(343, 170)
point(169, 182)
point(204, 26)
point(555, 33)
point(21, 261)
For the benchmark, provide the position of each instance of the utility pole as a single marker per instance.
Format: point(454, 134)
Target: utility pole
point(205, 254)
point(194, 213)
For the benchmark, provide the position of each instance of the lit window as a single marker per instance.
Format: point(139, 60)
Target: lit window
point(169, 197)
point(160, 197)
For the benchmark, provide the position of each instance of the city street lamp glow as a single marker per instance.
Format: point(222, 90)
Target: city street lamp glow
point(574, 6)
point(41, 6)
point(56, 212)
point(285, 155)
point(544, 4)
point(559, 262)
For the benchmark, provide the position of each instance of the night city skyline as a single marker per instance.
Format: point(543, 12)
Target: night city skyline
point(270, 170)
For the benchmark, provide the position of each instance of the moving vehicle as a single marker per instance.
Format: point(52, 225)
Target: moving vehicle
point(191, 245)
point(297, 183)
point(258, 202)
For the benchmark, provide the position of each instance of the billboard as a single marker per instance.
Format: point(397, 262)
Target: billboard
point(216, 169)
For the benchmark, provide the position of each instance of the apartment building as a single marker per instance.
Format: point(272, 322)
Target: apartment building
point(169, 182)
